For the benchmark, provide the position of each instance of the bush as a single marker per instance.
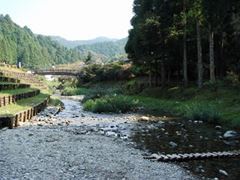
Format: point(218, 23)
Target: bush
point(198, 111)
point(134, 87)
point(71, 91)
point(115, 104)
point(99, 92)
point(233, 78)
point(108, 72)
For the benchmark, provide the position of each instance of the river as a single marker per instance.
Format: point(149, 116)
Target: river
point(113, 145)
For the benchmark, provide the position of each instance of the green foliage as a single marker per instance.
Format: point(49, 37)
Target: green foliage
point(104, 51)
point(134, 86)
point(108, 72)
point(89, 58)
point(71, 91)
point(99, 92)
point(164, 34)
point(233, 78)
point(33, 51)
point(55, 102)
point(201, 111)
point(114, 104)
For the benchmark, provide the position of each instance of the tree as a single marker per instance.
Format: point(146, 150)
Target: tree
point(185, 70)
point(176, 38)
point(20, 44)
point(88, 58)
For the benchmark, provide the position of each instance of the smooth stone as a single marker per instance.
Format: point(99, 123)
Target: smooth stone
point(231, 135)
point(144, 118)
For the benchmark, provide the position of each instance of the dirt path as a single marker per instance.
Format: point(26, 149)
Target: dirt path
point(73, 145)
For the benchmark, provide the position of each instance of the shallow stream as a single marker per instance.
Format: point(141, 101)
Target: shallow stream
point(160, 136)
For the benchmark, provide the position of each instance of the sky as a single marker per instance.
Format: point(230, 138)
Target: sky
point(72, 19)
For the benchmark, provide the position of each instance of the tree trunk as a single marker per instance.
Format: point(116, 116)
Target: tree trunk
point(163, 78)
point(150, 78)
point(211, 55)
point(222, 59)
point(199, 51)
point(156, 74)
point(185, 70)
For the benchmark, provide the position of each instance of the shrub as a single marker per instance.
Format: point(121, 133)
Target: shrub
point(71, 91)
point(135, 86)
point(198, 111)
point(115, 104)
point(99, 92)
point(108, 72)
point(233, 78)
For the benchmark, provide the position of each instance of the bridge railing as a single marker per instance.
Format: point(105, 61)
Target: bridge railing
point(57, 71)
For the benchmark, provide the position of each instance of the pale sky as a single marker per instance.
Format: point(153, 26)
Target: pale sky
point(72, 19)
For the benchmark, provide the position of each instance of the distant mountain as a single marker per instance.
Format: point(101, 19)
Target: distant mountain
point(19, 44)
point(73, 44)
point(105, 51)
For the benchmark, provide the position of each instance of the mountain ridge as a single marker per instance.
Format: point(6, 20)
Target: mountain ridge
point(19, 44)
point(74, 43)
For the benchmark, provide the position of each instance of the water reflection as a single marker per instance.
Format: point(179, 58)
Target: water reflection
point(181, 136)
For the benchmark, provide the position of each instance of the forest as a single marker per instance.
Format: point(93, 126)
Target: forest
point(105, 51)
point(33, 51)
point(186, 41)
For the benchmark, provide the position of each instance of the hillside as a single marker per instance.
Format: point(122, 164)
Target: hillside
point(105, 51)
point(19, 44)
point(73, 44)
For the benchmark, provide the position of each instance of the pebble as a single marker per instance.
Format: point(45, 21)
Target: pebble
point(173, 144)
point(223, 172)
point(110, 134)
point(144, 118)
point(218, 127)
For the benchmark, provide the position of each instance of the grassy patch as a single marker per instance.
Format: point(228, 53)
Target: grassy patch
point(201, 111)
point(54, 101)
point(15, 91)
point(22, 105)
point(71, 91)
point(114, 104)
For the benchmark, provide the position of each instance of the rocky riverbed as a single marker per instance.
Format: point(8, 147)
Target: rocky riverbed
point(78, 145)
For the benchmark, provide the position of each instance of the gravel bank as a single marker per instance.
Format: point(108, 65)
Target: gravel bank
point(57, 151)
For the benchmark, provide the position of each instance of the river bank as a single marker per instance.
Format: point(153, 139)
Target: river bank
point(71, 146)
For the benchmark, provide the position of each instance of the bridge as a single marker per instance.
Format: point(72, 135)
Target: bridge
point(59, 72)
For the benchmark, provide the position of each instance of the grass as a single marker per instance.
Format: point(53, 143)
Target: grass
point(13, 69)
point(70, 91)
point(54, 101)
point(214, 105)
point(113, 104)
point(7, 83)
point(22, 105)
point(15, 91)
